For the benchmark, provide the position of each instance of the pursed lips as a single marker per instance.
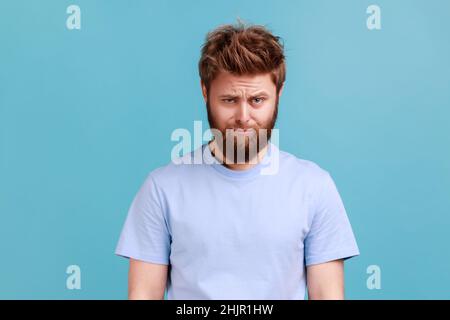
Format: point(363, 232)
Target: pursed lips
point(247, 131)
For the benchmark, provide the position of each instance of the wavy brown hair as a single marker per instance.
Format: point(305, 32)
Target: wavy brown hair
point(242, 50)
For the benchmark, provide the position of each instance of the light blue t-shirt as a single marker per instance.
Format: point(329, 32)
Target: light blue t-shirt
point(229, 234)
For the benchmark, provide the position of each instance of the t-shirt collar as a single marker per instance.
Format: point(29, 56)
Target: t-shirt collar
point(239, 174)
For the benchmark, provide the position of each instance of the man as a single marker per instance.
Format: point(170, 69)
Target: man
point(225, 228)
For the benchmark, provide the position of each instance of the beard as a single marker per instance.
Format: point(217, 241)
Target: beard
point(245, 148)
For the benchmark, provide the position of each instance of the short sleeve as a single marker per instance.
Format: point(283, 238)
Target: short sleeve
point(145, 235)
point(330, 236)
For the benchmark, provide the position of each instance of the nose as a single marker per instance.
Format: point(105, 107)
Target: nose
point(243, 114)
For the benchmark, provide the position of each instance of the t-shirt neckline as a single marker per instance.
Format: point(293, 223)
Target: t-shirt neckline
point(238, 174)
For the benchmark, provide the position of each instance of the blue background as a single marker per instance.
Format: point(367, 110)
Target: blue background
point(86, 114)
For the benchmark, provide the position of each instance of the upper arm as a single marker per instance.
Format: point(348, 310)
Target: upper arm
point(330, 236)
point(145, 235)
point(146, 280)
point(325, 281)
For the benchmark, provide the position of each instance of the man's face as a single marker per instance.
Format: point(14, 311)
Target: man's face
point(247, 102)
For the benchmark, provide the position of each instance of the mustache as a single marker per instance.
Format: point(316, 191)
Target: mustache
point(243, 128)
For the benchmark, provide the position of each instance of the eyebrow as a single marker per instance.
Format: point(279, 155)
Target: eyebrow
point(256, 94)
point(260, 93)
point(228, 95)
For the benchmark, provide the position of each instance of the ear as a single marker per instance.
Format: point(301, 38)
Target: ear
point(281, 90)
point(204, 91)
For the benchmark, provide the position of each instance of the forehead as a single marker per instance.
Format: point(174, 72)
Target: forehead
point(230, 83)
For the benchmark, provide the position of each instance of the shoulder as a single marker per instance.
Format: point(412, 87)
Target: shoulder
point(177, 170)
point(302, 168)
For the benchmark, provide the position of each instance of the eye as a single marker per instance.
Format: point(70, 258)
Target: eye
point(228, 100)
point(258, 100)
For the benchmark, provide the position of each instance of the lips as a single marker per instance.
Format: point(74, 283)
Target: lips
point(245, 132)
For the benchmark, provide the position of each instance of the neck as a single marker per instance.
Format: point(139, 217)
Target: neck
point(218, 154)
